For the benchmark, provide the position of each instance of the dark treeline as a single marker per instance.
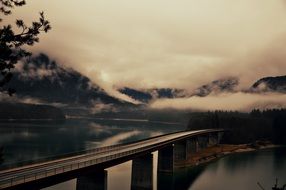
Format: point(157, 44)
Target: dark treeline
point(1, 155)
point(244, 127)
point(20, 111)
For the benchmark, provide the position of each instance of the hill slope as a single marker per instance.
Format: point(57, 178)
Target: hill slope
point(50, 82)
point(270, 84)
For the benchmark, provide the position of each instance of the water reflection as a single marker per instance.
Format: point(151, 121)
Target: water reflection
point(138, 174)
point(236, 172)
point(279, 160)
point(119, 177)
point(92, 181)
point(216, 175)
point(233, 163)
point(29, 142)
point(67, 185)
point(180, 179)
point(242, 171)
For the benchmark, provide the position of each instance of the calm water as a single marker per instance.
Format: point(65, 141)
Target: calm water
point(240, 171)
point(27, 142)
point(243, 171)
point(234, 172)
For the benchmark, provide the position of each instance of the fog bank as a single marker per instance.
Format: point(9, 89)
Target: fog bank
point(232, 101)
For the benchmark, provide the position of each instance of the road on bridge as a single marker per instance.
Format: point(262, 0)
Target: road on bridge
point(16, 176)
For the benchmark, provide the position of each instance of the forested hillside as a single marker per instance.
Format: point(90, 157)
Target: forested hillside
point(244, 127)
point(19, 111)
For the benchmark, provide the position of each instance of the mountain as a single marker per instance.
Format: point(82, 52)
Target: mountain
point(146, 95)
point(222, 85)
point(270, 84)
point(167, 92)
point(47, 81)
point(136, 94)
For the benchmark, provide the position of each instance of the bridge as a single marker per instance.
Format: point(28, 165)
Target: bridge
point(172, 149)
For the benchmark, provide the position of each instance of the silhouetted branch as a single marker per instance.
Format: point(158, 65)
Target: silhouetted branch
point(11, 43)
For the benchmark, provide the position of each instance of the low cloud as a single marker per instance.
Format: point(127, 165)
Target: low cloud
point(229, 101)
point(185, 45)
point(114, 92)
point(29, 70)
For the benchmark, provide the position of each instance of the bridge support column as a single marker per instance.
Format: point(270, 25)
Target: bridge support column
point(213, 139)
point(142, 173)
point(92, 181)
point(220, 134)
point(202, 142)
point(180, 153)
point(173, 156)
point(192, 147)
point(166, 159)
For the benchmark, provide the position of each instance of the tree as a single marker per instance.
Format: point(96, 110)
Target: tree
point(12, 40)
point(1, 155)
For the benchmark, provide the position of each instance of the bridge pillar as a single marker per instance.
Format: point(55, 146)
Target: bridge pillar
point(173, 156)
point(166, 159)
point(193, 145)
point(213, 139)
point(202, 142)
point(92, 181)
point(180, 151)
point(220, 134)
point(142, 173)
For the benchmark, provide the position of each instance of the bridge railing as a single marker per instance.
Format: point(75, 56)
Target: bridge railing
point(62, 168)
point(77, 153)
point(61, 156)
point(65, 168)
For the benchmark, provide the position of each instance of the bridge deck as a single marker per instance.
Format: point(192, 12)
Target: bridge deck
point(33, 172)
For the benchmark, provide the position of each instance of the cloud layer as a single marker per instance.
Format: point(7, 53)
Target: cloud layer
point(228, 101)
point(164, 43)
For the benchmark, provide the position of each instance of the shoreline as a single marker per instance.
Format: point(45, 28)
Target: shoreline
point(219, 151)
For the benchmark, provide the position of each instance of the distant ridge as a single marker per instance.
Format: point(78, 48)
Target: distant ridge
point(217, 86)
point(225, 85)
point(270, 84)
point(48, 81)
point(146, 95)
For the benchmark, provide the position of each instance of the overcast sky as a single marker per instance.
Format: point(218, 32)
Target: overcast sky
point(146, 43)
point(164, 43)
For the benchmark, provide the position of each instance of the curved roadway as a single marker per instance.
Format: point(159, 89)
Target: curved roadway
point(12, 177)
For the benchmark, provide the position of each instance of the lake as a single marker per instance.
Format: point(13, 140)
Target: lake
point(30, 142)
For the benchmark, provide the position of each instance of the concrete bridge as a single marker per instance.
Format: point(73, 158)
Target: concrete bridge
point(172, 149)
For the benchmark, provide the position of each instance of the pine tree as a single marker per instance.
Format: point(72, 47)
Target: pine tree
point(11, 43)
